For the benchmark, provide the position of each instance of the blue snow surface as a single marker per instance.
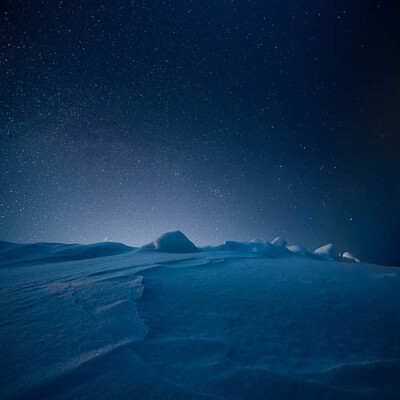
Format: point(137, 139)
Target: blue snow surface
point(251, 320)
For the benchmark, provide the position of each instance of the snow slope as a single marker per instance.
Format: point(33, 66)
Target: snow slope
point(248, 320)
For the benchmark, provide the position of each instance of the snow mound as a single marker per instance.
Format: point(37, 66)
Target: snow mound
point(279, 241)
point(329, 251)
point(172, 242)
point(96, 250)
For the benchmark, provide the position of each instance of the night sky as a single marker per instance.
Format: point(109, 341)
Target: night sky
point(228, 120)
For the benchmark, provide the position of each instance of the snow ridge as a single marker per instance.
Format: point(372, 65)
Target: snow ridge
point(170, 242)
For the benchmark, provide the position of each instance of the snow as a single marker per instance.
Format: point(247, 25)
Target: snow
point(349, 257)
point(173, 242)
point(11, 253)
point(263, 248)
point(250, 320)
point(329, 251)
point(279, 241)
point(255, 247)
point(299, 250)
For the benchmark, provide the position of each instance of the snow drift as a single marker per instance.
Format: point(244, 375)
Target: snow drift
point(244, 320)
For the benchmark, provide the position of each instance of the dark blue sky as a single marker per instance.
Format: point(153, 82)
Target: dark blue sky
point(226, 119)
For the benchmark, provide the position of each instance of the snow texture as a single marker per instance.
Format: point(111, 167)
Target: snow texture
point(249, 320)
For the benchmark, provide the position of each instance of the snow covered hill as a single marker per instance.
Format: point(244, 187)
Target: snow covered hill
point(251, 320)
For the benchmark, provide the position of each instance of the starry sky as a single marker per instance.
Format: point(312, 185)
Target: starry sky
point(226, 119)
